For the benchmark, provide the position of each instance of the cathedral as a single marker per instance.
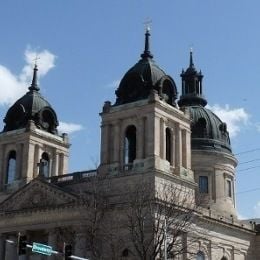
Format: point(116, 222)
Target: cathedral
point(164, 188)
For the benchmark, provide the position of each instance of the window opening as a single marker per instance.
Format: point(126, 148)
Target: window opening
point(168, 145)
point(200, 256)
point(130, 145)
point(11, 167)
point(229, 189)
point(203, 184)
point(44, 165)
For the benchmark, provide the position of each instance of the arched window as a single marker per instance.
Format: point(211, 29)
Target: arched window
point(11, 167)
point(44, 165)
point(130, 144)
point(200, 256)
point(168, 145)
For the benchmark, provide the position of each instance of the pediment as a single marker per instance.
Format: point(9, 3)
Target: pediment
point(36, 195)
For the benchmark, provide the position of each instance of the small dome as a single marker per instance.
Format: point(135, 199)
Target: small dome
point(144, 77)
point(208, 132)
point(32, 106)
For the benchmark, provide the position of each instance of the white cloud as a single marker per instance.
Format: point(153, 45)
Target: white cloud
point(69, 127)
point(241, 217)
point(113, 84)
point(14, 86)
point(235, 118)
point(257, 210)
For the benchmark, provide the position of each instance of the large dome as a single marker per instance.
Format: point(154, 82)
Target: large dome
point(208, 132)
point(144, 77)
point(32, 106)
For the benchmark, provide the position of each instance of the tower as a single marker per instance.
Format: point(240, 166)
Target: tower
point(29, 143)
point(212, 160)
point(144, 131)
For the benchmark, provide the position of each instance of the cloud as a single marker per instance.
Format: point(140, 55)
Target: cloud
point(235, 118)
point(14, 86)
point(113, 84)
point(69, 127)
point(257, 210)
point(241, 217)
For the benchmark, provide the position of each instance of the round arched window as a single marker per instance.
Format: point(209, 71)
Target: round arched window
point(200, 256)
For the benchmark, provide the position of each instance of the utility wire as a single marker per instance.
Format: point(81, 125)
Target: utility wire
point(248, 151)
point(247, 191)
point(254, 160)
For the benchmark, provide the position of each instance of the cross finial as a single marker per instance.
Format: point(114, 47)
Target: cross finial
point(147, 24)
point(191, 57)
point(36, 59)
point(34, 85)
point(147, 53)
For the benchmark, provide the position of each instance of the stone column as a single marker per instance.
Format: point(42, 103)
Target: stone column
point(140, 139)
point(116, 145)
point(11, 250)
point(157, 136)
point(104, 144)
point(184, 148)
point(36, 161)
point(19, 161)
point(162, 139)
point(2, 246)
point(173, 148)
point(52, 241)
point(55, 162)
point(178, 154)
point(3, 165)
point(80, 244)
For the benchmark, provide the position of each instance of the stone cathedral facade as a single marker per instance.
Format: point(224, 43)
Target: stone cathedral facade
point(149, 138)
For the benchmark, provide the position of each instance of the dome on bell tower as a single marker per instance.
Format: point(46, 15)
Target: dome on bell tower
point(144, 77)
point(32, 106)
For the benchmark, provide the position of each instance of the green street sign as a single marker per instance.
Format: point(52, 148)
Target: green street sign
point(41, 249)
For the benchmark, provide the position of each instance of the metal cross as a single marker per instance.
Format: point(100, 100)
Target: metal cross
point(36, 59)
point(147, 24)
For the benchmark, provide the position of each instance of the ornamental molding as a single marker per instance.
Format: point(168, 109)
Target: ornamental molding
point(37, 195)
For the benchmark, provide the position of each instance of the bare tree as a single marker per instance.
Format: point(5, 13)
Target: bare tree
point(159, 217)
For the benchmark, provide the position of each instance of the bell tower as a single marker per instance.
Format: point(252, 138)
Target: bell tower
point(144, 131)
point(29, 143)
point(212, 160)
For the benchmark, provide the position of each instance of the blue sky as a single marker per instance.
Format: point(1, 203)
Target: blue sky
point(86, 46)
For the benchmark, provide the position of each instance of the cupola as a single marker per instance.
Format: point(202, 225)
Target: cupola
point(192, 86)
point(208, 132)
point(144, 77)
point(31, 107)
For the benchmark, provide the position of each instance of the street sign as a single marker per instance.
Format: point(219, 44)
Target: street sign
point(41, 249)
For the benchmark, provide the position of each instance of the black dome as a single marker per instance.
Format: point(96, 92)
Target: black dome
point(32, 106)
point(208, 132)
point(144, 77)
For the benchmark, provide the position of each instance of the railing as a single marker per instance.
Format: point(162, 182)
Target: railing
point(75, 176)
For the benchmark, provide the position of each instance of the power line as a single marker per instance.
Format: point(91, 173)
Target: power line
point(247, 169)
point(254, 160)
point(247, 151)
point(247, 191)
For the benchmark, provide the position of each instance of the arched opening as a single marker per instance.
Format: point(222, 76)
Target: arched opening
point(224, 258)
point(11, 168)
point(200, 256)
point(130, 145)
point(44, 165)
point(168, 146)
point(167, 92)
